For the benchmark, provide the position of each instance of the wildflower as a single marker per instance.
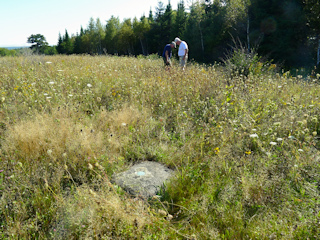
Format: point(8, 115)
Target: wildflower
point(254, 130)
point(92, 192)
point(248, 152)
point(124, 124)
point(216, 150)
point(273, 143)
point(45, 94)
point(51, 83)
point(300, 150)
point(1, 170)
point(3, 99)
point(70, 95)
point(291, 137)
point(98, 99)
point(279, 139)
point(314, 133)
point(90, 166)
point(254, 135)
point(46, 185)
point(89, 85)
point(49, 152)
point(98, 166)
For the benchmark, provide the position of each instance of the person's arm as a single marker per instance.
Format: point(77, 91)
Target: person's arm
point(185, 54)
point(167, 55)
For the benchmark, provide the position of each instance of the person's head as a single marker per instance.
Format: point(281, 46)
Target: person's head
point(173, 45)
point(177, 40)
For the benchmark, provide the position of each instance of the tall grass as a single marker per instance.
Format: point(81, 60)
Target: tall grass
point(244, 150)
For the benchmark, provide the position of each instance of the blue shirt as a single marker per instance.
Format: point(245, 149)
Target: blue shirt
point(167, 48)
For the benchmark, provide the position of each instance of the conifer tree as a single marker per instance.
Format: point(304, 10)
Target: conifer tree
point(180, 20)
point(39, 42)
point(111, 32)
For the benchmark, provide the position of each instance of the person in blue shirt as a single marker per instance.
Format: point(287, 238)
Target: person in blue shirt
point(167, 53)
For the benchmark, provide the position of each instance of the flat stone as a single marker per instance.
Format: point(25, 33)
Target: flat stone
point(144, 179)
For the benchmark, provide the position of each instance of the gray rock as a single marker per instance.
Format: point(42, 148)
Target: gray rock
point(144, 179)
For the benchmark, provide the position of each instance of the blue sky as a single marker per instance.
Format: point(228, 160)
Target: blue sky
point(20, 18)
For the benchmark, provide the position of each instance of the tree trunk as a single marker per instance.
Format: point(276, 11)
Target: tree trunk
point(143, 49)
point(202, 45)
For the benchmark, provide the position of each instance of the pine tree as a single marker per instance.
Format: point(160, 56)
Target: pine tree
point(111, 32)
point(167, 23)
point(194, 32)
point(180, 20)
point(39, 42)
point(59, 45)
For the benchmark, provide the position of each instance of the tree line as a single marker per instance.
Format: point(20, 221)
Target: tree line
point(286, 31)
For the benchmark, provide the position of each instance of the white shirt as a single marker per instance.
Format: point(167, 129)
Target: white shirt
point(182, 47)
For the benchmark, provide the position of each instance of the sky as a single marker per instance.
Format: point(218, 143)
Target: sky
point(21, 18)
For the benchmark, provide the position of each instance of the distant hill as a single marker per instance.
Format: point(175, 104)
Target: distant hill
point(10, 48)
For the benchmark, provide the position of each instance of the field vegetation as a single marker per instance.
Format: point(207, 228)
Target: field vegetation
point(243, 144)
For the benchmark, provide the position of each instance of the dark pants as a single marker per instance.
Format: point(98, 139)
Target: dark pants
point(166, 63)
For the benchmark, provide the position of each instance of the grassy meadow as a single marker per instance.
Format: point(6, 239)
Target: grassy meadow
point(244, 150)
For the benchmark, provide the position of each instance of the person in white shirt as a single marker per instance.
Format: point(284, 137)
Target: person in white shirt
point(182, 52)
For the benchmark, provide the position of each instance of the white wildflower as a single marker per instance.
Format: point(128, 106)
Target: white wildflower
point(279, 139)
point(300, 150)
point(273, 143)
point(89, 85)
point(254, 135)
point(51, 83)
point(90, 166)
